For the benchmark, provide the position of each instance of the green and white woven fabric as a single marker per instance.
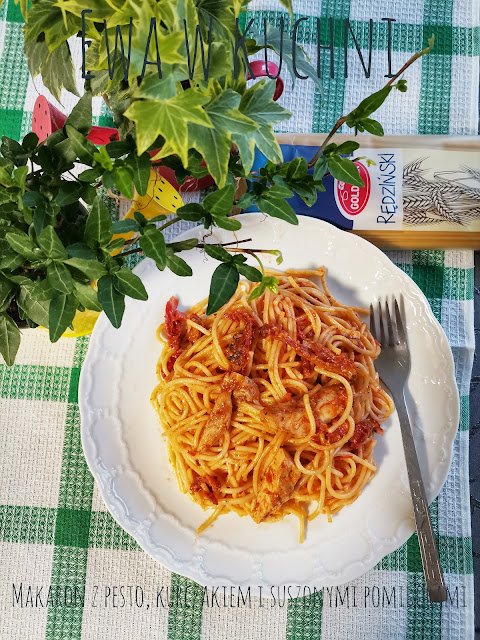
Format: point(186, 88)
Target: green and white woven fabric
point(54, 527)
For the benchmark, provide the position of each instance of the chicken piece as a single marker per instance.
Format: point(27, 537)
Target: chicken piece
point(238, 350)
point(327, 404)
point(244, 389)
point(309, 350)
point(218, 421)
point(277, 485)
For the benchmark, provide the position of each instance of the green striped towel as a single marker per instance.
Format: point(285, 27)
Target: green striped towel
point(54, 527)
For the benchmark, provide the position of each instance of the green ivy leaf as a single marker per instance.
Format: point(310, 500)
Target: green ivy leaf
point(178, 266)
point(344, 170)
point(34, 308)
point(7, 289)
point(123, 176)
point(168, 118)
point(61, 313)
point(193, 212)
point(153, 246)
point(9, 339)
point(297, 169)
point(51, 244)
point(246, 200)
point(222, 286)
point(80, 118)
point(112, 301)
point(183, 245)
point(99, 224)
point(368, 106)
point(69, 192)
point(347, 147)
point(248, 272)
point(219, 202)
point(320, 167)
point(21, 243)
point(140, 166)
point(372, 126)
point(230, 224)
point(277, 208)
point(125, 226)
point(80, 250)
point(91, 268)
point(218, 253)
point(102, 157)
point(129, 284)
point(84, 149)
point(87, 296)
point(11, 260)
point(60, 277)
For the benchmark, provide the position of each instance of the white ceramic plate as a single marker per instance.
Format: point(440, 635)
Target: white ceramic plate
point(127, 454)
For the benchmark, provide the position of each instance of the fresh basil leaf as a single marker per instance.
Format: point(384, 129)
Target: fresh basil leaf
point(222, 286)
point(129, 284)
point(277, 208)
point(112, 301)
point(345, 170)
point(9, 338)
point(61, 313)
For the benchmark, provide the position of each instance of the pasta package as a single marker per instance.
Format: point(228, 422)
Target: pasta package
point(419, 191)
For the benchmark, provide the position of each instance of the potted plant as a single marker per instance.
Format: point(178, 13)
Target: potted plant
point(60, 252)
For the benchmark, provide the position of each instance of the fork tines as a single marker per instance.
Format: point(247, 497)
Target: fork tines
point(394, 331)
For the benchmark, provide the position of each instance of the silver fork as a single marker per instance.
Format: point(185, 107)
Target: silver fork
point(393, 366)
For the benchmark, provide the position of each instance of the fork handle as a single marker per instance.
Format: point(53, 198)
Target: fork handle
point(428, 546)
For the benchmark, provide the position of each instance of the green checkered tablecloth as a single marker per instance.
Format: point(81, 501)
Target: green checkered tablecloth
point(54, 527)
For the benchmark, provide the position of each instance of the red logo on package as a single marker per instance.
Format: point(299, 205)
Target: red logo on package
point(352, 199)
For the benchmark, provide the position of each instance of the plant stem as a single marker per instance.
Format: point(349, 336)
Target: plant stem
point(200, 246)
point(168, 224)
point(343, 119)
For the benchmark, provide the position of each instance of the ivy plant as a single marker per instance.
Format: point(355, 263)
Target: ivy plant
point(59, 249)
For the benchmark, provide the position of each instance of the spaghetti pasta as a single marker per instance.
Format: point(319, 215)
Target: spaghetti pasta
point(270, 406)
